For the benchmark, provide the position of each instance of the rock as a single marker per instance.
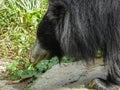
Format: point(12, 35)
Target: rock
point(69, 76)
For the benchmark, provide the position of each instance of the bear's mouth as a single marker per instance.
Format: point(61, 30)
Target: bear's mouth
point(36, 53)
point(38, 57)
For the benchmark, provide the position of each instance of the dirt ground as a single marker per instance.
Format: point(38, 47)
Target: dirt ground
point(6, 84)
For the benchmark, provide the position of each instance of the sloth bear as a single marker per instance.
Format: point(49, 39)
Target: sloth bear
point(79, 28)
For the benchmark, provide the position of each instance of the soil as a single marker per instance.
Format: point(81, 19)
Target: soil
point(6, 84)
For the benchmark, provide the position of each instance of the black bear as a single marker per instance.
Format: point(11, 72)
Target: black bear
point(79, 28)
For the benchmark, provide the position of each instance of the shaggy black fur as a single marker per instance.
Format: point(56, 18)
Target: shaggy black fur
point(78, 28)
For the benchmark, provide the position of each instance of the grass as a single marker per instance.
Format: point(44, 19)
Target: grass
point(18, 24)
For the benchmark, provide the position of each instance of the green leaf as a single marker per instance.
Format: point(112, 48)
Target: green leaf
point(12, 66)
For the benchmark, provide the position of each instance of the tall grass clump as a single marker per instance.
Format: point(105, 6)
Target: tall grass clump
point(18, 24)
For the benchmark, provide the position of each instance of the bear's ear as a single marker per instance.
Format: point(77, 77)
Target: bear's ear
point(57, 7)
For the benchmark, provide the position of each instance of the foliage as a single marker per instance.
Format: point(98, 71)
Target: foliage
point(19, 70)
point(18, 25)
